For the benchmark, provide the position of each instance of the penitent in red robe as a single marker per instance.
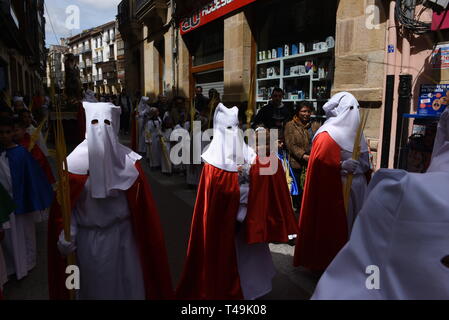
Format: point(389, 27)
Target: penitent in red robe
point(211, 271)
point(147, 230)
point(323, 229)
point(39, 156)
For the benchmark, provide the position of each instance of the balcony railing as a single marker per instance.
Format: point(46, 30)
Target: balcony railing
point(86, 49)
point(123, 12)
point(141, 3)
point(98, 59)
point(110, 75)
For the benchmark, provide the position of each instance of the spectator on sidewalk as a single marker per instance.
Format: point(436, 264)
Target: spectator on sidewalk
point(297, 140)
point(275, 111)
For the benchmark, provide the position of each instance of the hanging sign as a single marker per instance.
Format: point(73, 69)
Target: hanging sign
point(210, 12)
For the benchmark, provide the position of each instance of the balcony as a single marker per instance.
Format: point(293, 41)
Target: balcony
point(98, 59)
point(86, 49)
point(110, 75)
point(152, 13)
point(130, 30)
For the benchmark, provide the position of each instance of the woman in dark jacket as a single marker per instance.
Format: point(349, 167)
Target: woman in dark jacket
point(297, 140)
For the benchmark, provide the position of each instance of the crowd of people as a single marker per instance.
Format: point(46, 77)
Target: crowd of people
point(115, 231)
point(26, 180)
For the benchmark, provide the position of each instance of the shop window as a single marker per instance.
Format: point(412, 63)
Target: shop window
point(213, 79)
point(295, 41)
point(206, 45)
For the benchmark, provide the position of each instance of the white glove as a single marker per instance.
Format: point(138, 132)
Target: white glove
point(349, 166)
point(64, 246)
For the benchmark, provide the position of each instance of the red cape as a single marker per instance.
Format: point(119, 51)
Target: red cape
point(270, 216)
point(147, 230)
point(211, 270)
point(40, 157)
point(323, 229)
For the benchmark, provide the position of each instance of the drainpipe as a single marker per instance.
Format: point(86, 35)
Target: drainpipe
point(405, 90)
point(174, 48)
point(389, 87)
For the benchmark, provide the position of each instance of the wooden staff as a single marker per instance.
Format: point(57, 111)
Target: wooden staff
point(355, 156)
point(164, 150)
point(63, 185)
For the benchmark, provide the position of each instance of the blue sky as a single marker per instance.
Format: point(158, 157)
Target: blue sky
point(92, 13)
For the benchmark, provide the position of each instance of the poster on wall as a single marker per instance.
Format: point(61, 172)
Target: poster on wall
point(210, 12)
point(440, 57)
point(433, 99)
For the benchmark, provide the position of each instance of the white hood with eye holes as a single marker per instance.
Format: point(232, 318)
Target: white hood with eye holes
point(110, 165)
point(342, 111)
point(228, 150)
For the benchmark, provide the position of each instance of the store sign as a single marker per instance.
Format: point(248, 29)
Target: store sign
point(433, 99)
point(210, 12)
point(440, 57)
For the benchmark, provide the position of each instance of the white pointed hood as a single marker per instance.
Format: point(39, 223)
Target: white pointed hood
point(110, 165)
point(343, 114)
point(228, 150)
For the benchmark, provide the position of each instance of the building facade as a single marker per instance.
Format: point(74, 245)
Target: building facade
point(309, 48)
point(55, 65)
point(22, 53)
point(97, 50)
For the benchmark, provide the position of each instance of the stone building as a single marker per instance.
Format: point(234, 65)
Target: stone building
point(55, 65)
point(312, 49)
point(97, 52)
point(22, 53)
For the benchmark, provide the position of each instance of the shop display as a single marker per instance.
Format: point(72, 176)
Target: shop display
point(433, 99)
point(301, 69)
point(294, 49)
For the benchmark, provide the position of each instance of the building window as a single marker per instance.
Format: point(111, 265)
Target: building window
point(111, 52)
point(206, 45)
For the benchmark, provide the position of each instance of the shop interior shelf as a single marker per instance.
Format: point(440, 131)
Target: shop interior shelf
point(297, 76)
point(304, 82)
point(269, 78)
point(307, 54)
point(297, 56)
point(269, 61)
point(320, 79)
